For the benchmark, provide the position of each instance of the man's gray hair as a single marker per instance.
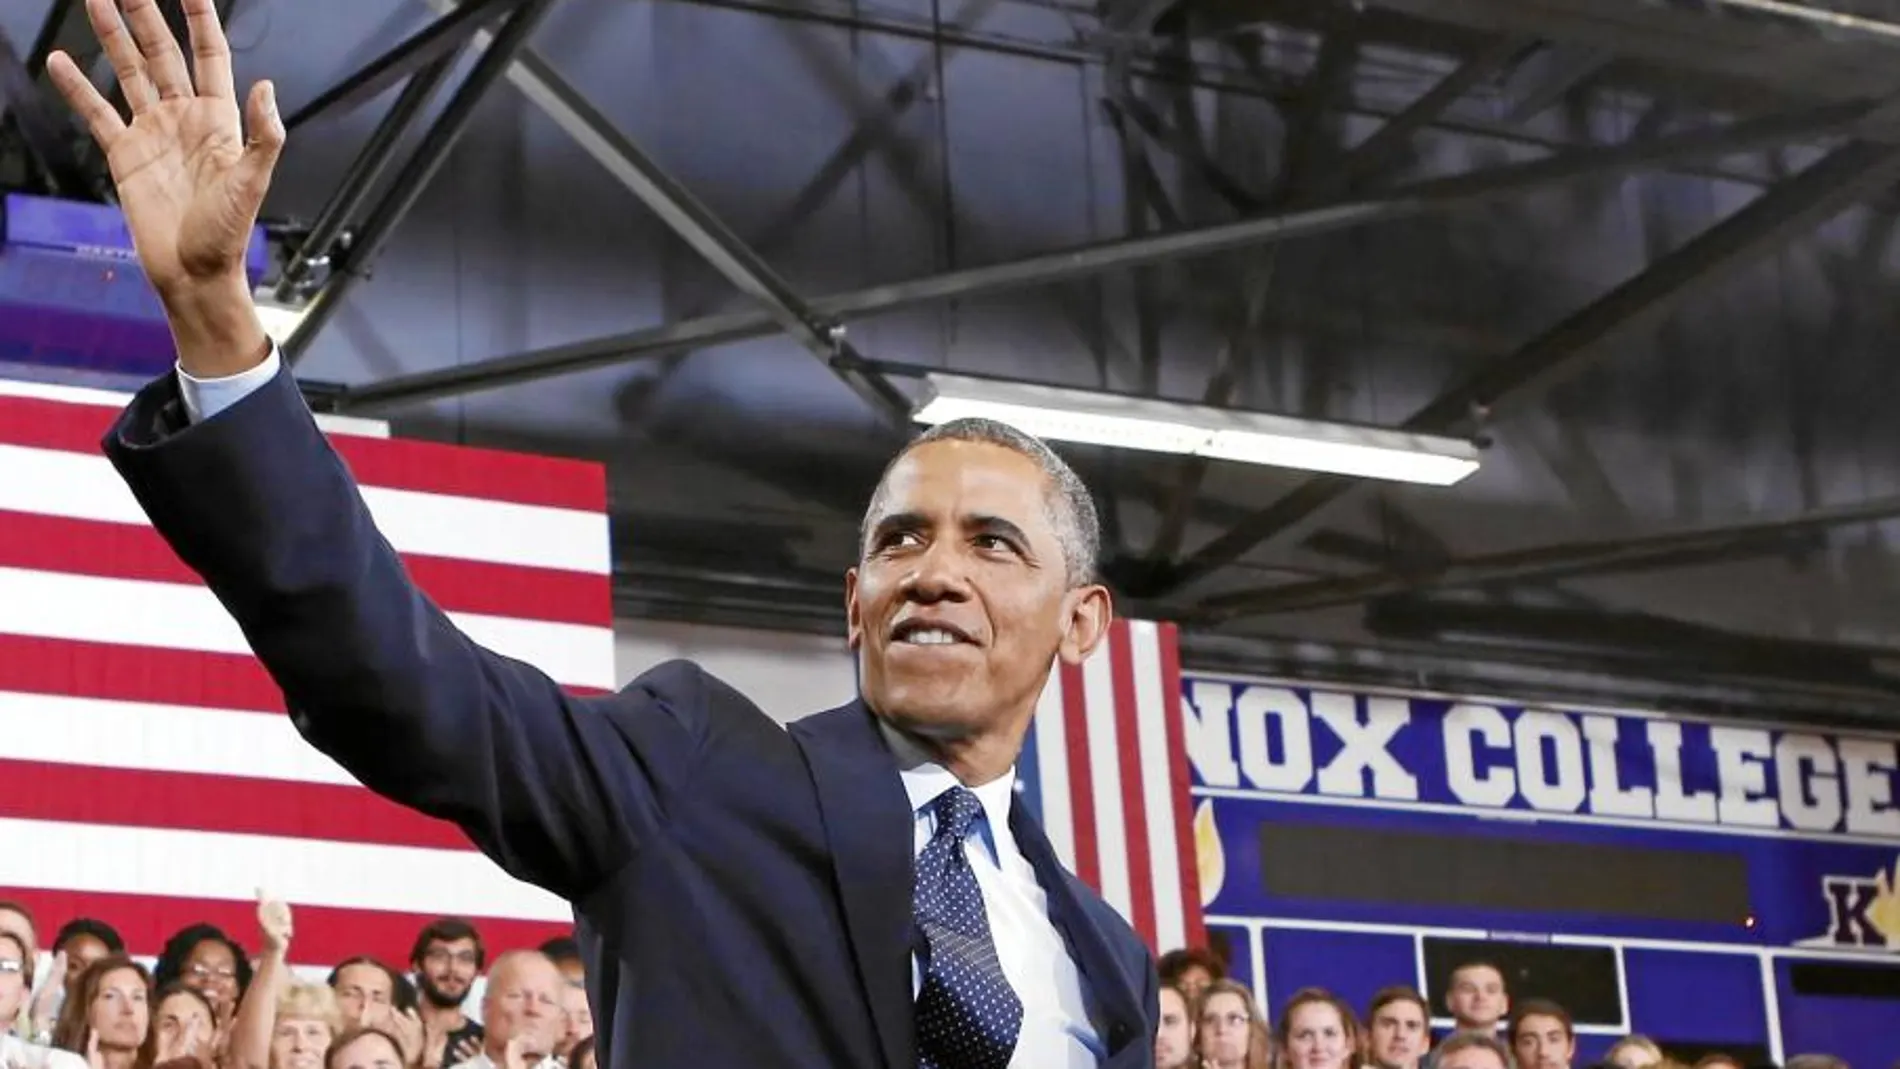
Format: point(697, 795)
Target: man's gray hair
point(1071, 509)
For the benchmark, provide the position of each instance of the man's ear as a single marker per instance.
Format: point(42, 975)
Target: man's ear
point(1088, 610)
point(853, 619)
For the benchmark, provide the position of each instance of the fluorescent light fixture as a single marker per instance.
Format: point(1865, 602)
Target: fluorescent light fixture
point(280, 320)
point(1197, 430)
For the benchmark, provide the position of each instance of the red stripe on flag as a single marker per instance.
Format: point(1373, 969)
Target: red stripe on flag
point(136, 674)
point(146, 798)
point(1170, 645)
point(146, 674)
point(1141, 895)
point(1075, 736)
point(425, 467)
point(121, 551)
point(325, 935)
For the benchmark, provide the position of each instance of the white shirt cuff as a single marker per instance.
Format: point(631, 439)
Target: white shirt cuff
point(205, 398)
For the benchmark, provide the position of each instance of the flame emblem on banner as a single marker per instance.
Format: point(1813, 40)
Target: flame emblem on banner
point(1208, 854)
point(1883, 914)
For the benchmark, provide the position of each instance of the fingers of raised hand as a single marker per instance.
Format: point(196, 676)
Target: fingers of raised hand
point(123, 51)
point(101, 119)
point(164, 62)
point(210, 51)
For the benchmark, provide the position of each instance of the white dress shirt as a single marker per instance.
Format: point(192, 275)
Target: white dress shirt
point(1057, 1032)
point(17, 1053)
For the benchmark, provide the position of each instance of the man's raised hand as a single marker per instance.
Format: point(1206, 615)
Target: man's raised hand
point(189, 182)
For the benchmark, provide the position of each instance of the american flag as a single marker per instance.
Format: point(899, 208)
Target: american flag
point(1106, 769)
point(152, 778)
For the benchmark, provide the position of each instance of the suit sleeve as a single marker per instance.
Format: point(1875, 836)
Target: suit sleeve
point(560, 791)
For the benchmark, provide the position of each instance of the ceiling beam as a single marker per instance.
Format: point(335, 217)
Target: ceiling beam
point(1764, 225)
point(1405, 202)
point(440, 40)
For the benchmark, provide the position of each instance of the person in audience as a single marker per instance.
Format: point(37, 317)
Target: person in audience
point(1816, 1061)
point(106, 1017)
point(1191, 969)
point(447, 957)
point(1473, 1050)
point(1224, 1024)
point(79, 943)
point(579, 1017)
point(205, 958)
point(583, 1056)
point(1542, 1035)
point(1633, 1052)
point(1719, 1060)
point(280, 1023)
point(1174, 1040)
point(365, 1048)
point(183, 1027)
point(1318, 1031)
point(17, 920)
point(370, 994)
point(1477, 998)
point(1398, 1028)
point(521, 1013)
point(16, 980)
point(305, 1021)
point(565, 953)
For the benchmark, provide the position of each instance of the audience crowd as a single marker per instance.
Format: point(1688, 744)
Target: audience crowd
point(205, 1003)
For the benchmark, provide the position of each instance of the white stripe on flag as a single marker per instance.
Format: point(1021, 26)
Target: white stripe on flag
point(174, 616)
point(63, 730)
point(84, 487)
point(1111, 839)
point(1052, 771)
point(116, 859)
point(1157, 784)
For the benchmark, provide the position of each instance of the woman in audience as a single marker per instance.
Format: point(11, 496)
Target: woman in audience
point(1634, 1052)
point(281, 1024)
point(183, 1027)
point(203, 957)
point(1227, 1022)
point(365, 1048)
point(1318, 1031)
point(107, 1014)
point(582, 1056)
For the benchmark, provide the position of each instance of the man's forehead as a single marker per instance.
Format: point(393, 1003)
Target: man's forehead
point(964, 475)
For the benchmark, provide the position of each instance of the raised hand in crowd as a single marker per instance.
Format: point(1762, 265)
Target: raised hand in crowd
point(43, 1012)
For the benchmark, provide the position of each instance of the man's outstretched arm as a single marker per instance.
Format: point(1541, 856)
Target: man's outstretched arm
point(257, 503)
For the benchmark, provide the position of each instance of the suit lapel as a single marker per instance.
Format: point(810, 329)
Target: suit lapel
point(1123, 1020)
point(870, 826)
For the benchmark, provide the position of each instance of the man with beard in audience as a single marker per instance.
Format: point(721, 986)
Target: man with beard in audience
point(522, 1014)
point(447, 957)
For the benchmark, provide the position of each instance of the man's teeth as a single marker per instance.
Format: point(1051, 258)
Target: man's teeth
point(930, 636)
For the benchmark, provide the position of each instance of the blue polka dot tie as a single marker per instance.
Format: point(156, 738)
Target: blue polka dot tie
point(967, 1015)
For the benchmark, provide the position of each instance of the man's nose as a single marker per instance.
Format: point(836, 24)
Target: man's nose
point(938, 574)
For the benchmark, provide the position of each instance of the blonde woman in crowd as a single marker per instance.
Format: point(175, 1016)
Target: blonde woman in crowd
point(1318, 1031)
point(107, 1014)
point(1634, 1052)
point(281, 1024)
point(1230, 1032)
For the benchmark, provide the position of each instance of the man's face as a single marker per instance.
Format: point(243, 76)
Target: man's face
point(1174, 1040)
point(360, 988)
point(1477, 998)
point(962, 601)
point(12, 978)
point(446, 970)
point(580, 1016)
point(1399, 1035)
point(523, 1001)
point(1542, 1042)
point(19, 926)
point(1472, 1058)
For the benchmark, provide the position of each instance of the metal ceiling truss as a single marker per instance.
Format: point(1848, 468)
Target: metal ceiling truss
point(1766, 224)
point(1409, 201)
point(349, 262)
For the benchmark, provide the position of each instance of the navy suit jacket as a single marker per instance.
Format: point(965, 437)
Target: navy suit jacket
point(742, 892)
